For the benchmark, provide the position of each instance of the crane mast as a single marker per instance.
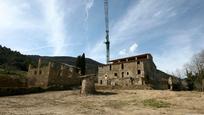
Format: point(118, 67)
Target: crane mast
point(107, 31)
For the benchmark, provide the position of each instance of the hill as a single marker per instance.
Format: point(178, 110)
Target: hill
point(91, 65)
point(15, 61)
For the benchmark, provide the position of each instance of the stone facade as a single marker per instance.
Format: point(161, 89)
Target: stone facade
point(88, 84)
point(53, 75)
point(135, 70)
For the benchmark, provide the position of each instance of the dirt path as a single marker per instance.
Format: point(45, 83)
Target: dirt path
point(109, 102)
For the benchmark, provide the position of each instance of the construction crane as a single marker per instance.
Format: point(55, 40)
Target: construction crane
point(107, 31)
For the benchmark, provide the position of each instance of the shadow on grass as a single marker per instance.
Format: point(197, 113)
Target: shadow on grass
point(25, 91)
point(104, 93)
point(19, 91)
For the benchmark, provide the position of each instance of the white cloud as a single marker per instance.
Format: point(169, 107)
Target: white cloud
point(133, 48)
point(16, 23)
point(54, 20)
point(123, 52)
point(138, 19)
point(130, 51)
point(38, 25)
point(157, 13)
point(35, 25)
point(88, 6)
point(145, 16)
point(13, 16)
point(178, 52)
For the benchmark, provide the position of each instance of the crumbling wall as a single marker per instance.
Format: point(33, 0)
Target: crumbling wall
point(88, 85)
point(38, 78)
point(122, 71)
point(160, 80)
point(134, 72)
point(53, 75)
point(63, 76)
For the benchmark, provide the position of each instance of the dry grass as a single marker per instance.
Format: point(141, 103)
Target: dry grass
point(110, 102)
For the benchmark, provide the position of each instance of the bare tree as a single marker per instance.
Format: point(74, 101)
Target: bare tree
point(195, 69)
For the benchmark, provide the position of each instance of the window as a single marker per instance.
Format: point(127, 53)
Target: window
point(127, 73)
point(115, 74)
point(35, 72)
point(40, 72)
point(61, 72)
point(110, 67)
point(106, 76)
point(138, 62)
point(122, 74)
point(122, 66)
point(138, 71)
point(101, 81)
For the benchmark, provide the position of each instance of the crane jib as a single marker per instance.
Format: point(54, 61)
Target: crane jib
point(107, 31)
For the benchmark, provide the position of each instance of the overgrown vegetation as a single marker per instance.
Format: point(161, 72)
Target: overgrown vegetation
point(155, 103)
point(12, 72)
point(195, 72)
point(13, 60)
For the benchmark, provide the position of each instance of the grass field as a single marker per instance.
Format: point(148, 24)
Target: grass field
point(107, 102)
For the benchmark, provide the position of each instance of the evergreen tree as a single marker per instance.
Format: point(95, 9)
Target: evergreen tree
point(81, 63)
point(78, 62)
point(190, 80)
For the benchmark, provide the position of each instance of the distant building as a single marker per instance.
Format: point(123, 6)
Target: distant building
point(133, 71)
point(53, 75)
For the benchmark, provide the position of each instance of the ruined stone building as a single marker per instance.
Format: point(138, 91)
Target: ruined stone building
point(53, 75)
point(88, 84)
point(132, 71)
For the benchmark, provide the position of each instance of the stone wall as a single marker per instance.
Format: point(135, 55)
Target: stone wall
point(64, 76)
point(133, 71)
point(53, 75)
point(88, 84)
point(122, 73)
point(160, 80)
point(38, 77)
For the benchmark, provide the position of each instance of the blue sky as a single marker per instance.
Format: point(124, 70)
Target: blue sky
point(171, 30)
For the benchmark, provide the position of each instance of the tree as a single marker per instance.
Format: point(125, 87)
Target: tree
point(78, 61)
point(190, 80)
point(195, 71)
point(81, 63)
point(83, 66)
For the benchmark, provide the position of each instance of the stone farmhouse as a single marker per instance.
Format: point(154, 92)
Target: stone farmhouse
point(53, 75)
point(133, 71)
